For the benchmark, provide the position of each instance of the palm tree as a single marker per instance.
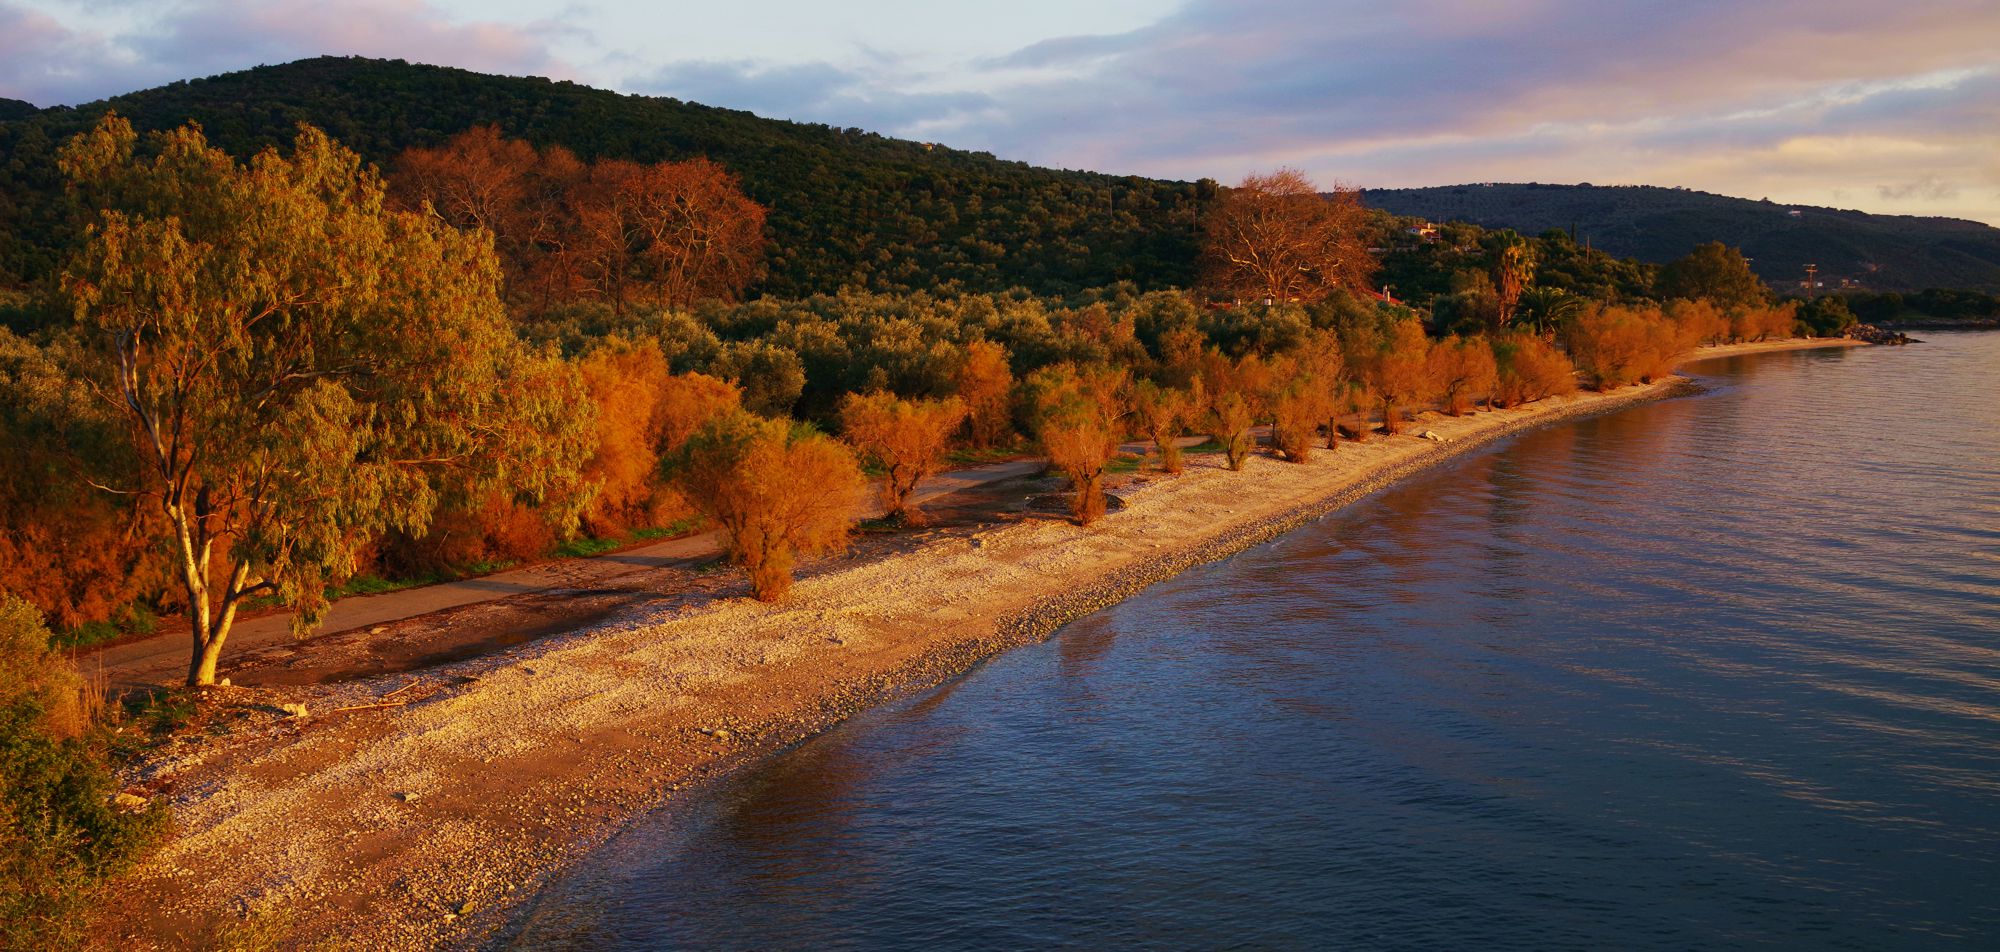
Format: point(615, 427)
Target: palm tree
point(1542, 310)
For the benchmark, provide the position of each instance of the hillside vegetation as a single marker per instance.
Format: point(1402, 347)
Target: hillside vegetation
point(848, 208)
point(1880, 252)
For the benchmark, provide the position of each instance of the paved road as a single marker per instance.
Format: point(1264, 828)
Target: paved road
point(362, 611)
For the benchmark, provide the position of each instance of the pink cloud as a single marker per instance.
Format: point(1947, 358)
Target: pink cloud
point(46, 62)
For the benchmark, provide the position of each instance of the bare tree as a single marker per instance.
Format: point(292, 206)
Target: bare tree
point(1277, 237)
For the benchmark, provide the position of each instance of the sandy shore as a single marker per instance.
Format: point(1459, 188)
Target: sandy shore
point(426, 824)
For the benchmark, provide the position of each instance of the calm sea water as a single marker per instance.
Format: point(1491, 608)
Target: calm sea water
point(1720, 672)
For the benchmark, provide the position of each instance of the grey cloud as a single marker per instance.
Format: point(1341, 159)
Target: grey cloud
point(812, 92)
point(1928, 187)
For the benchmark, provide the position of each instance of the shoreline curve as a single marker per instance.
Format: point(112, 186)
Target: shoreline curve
point(437, 823)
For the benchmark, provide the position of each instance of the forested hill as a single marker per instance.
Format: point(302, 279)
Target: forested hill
point(1881, 252)
point(848, 207)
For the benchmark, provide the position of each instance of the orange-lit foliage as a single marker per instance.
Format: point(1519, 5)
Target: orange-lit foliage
point(1305, 390)
point(1765, 322)
point(644, 412)
point(1615, 346)
point(1297, 410)
point(1529, 368)
point(1400, 372)
point(1463, 371)
point(1078, 415)
point(1699, 321)
point(1276, 236)
point(777, 491)
point(1237, 393)
point(907, 437)
point(986, 385)
point(1162, 415)
point(77, 554)
point(671, 232)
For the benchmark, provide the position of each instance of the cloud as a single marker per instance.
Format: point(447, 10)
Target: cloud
point(867, 97)
point(1929, 187)
point(1793, 99)
point(1719, 95)
point(47, 62)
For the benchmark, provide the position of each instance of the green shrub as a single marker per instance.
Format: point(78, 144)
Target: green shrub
point(60, 833)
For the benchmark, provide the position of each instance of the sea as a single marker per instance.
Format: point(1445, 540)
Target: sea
point(1717, 672)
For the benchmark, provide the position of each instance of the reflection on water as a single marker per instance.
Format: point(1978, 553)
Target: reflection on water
point(1717, 672)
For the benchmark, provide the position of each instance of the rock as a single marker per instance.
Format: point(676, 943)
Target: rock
point(295, 710)
point(222, 683)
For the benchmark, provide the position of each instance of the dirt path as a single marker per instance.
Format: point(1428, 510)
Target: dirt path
point(419, 810)
point(162, 659)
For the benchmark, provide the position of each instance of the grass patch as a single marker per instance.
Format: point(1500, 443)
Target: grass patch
point(376, 585)
point(589, 546)
point(1210, 445)
point(161, 711)
point(1125, 463)
point(582, 548)
point(962, 458)
point(130, 620)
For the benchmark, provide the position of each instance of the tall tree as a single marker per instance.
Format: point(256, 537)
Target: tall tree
point(1513, 272)
point(298, 368)
point(1276, 236)
point(676, 232)
point(1714, 272)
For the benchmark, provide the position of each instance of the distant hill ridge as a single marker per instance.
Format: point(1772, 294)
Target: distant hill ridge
point(851, 208)
point(1879, 252)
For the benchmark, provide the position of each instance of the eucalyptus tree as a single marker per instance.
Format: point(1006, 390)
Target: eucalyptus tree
point(299, 368)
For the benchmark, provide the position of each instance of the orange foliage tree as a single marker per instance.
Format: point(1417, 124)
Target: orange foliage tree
point(907, 437)
point(1619, 345)
point(644, 414)
point(1162, 414)
point(1463, 371)
point(1529, 368)
point(76, 554)
point(777, 491)
point(1276, 236)
point(1078, 415)
point(986, 385)
point(1305, 389)
point(1399, 370)
point(673, 232)
point(1235, 393)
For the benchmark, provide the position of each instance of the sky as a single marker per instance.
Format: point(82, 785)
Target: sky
point(1884, 107)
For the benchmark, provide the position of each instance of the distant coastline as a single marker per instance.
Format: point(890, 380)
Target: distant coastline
point(429, 824)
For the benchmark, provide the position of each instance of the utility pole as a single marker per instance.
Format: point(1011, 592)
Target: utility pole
point(1812, 284)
